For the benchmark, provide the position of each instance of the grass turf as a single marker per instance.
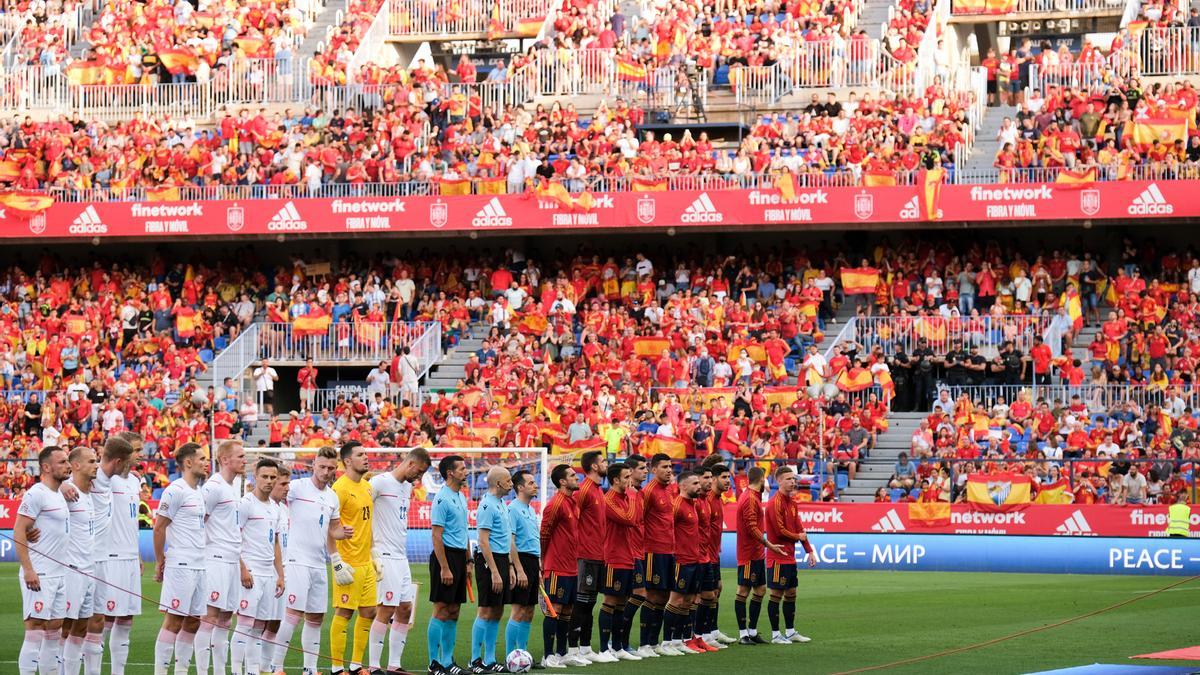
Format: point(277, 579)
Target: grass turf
point(856, 620)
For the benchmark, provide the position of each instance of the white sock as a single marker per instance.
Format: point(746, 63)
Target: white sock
point(254, 650)
point(220, 648)
point(118, 645)
point(93, 654)
point(164, 647)
point(375, 646)
point(238, 645)
point(72, 655)
point(397, 638)
point(310, 639)
point(266, 654)
point(202, 645)
point(286, 628)
point(48, 657)
point(185, 645)
point(31, 647)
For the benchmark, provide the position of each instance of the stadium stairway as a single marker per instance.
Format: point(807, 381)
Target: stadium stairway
point(874, 15)
point(452, 368)
point(983, 155)
point(316, 35)
point(875, 472)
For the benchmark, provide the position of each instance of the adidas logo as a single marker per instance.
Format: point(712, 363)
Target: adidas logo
point(88, 222)
point(492, 215)
point(1150, 203)
point(910, 210)
point(287, 219)
point(890, 522)
point(1075, 525)
point(702, 211)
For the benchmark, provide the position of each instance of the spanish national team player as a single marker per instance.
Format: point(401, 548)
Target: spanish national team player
point(677, 628)
point(560, 526)
point(638, 470)
point(590, 502)
point(447, 565)
point(622, 511)
point(659, 536)
point(711, 587)
point(706, 585)
point(783, 528)
point(354, 498)
point(752, 543)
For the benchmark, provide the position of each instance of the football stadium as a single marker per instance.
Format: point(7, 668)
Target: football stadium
point(380, 337)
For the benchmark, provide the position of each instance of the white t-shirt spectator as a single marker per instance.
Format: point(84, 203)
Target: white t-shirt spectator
point(264, 379)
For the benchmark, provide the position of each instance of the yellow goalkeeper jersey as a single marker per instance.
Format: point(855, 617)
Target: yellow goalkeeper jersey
point(356, 505)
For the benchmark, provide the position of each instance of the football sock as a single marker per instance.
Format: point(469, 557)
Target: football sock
point(72, 654)
point(397, 638)
point(185, 645)
point(773, 614)
point(606, 626)
point(362, 636)
point(491, 633)
point(434, 637)
point(379, 631)
point(755, 612)
point(118, 645)
point(449, 639)
point(789, 613)
point(164, 648)
point(310, 640)
point(220, 648)
point(337, 641)
point(549, 632)
point(562, 629)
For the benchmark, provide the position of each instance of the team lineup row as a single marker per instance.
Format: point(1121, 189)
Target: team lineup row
point(266, 557)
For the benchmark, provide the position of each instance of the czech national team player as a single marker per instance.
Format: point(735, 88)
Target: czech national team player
point(677, 628)
point(43, 579)
point(590, 503)
point(260, 568)
point(224, 576)
point(81, 584)
point(179, 550)
point(116, 498)
point(751, 557)
point(559, 533)
point(621, 516)
point(447, 565)
point(392, 492)
point(354, 592)
point(279, 495)
point(494, 573)
point(525, 595)
point(783, 528)
point(659, 536)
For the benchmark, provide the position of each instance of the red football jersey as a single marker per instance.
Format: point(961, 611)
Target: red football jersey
point(783, 528)
point(658, 519)
point(687, 526)
point(590, 502)
point(637, 543)
point(749, 527)
point(621, 521)
point(703, 518)
point(717, 527)
point(560, 525)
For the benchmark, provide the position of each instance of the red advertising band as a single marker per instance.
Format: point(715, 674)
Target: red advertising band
point(819, 207)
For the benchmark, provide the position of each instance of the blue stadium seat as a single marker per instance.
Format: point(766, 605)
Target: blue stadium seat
point(896, 494)
point(721, 77)
point(842, 481)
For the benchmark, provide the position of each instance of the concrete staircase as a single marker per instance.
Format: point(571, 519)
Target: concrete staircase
point(452, 368)
point(316, 34)
point(983, 154)
point(875, 472)
point(873, 17)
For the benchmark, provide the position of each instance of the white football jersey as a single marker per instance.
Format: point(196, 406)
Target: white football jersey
point(282, 525)
point(259, 520)
point(311, 511)
point(222, 529)
point(390, 524)
point(184, 505)
point(48, 509)
point(82, 541)
point(101, 513)
point(123, 527)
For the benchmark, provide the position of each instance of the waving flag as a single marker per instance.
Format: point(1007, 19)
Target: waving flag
point(1069, 179)
point(644, 184)
point(1164, 131)
point(629, 70)
point(533, 324)
point(163, 194)
point(529, 26)
point(1055, 493)
point(178, 61)
point(788, 186)
point(755, 351)
point(563, 447)
point(650, 346)
point(998, 491)
point(929, 514)
point(859, 280)
point(25, 205)
point(855, 379)
point(305, 326)
point(674, 447)
point(877, 178)
point(491, 186)
point(929, 192)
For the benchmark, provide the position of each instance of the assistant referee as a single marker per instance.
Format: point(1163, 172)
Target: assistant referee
point(447, 566)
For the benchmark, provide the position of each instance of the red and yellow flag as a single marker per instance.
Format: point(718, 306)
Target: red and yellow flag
point(1055, 493)
point(629, 70)
point(929, 192)
point(24, 204)
point(563, 447)
point(1069, 179)
point(529, 26)
point(491, 186)
point(304, 326)
point(998, 491)
point(168, 193)
point(454, 186)
point(644, 184)
point(878, 178)
point(178, 60)
point(650, 347)
point(855, 379)
point(859, 280)
point(788, 185)
point(756, 352)
point(929, 514)
point(533, 324)
point(673, 447)
point(1165, 131)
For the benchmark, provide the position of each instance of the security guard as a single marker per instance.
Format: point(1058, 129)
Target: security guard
point(1180, 517)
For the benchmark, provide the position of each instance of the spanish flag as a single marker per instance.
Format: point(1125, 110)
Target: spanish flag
point(25, 205)
point(185, 322)
point(1074, 307)
point(368, 333)
point(753, 350)
point(548, 409)
point(644, 184)
point(788, 185)
point(304, 326)
point(250, 45)
point(1055, 493)
point(1070, 179)
point(486, 431)
point(929, 514)
point(855, 379)
point(629, 70)
point(784, 396)
point(456, 438)
point(1165, 131)
point(10, 170)
point(491, 186)
point(529, 26)
point(650, 347)
point(178, 60)
point(563, 447)
point(998, 491)
point(454, 186)
point(163, 194)
point(879, 179)
point(673, 447)
point(83, 73)
point(75, 324)
point(555, 192)
point(495, 25)
point(929, 192)
point(859, 280)
point(533, 324)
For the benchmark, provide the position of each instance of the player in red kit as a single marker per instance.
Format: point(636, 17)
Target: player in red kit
point(559, 535)
point(639, 468)
point(688, 557)
point(698, 616)
point(751, 557)
point(590, 502)
point(622, 515)
point(711, 586)
point(658, 530)
point(783, 528)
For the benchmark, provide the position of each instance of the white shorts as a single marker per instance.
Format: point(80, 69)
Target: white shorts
point(259, 601)
point(81, 594)
point(120, 594)
point(395, 587)
point(48, 603)
point(183, 591)
point(307, 588)
point(222, 584)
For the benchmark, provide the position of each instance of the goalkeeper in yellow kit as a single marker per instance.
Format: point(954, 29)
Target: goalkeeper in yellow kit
point(354, 588)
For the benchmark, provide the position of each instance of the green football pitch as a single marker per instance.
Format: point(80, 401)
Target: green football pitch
point(859, 620)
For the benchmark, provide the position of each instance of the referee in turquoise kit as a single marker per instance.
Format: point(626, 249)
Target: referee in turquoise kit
point(447, 565)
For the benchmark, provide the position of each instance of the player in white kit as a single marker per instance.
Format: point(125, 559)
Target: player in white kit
point(223, 576)
point(279, 498)
point(116, 495)
point(80, 585)
point(315, 526)
point(261, 565)
point(43, 591)
point(392, 493)
point(179, 552)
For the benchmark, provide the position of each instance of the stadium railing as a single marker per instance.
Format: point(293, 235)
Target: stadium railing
point(328, 398)
point(1100, 399)
point(896, 333)
point(1166, 50)
point(411, 18)
point(1086, 7)
point(1104, 173)
point(1082, 75)
point(349, 341)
